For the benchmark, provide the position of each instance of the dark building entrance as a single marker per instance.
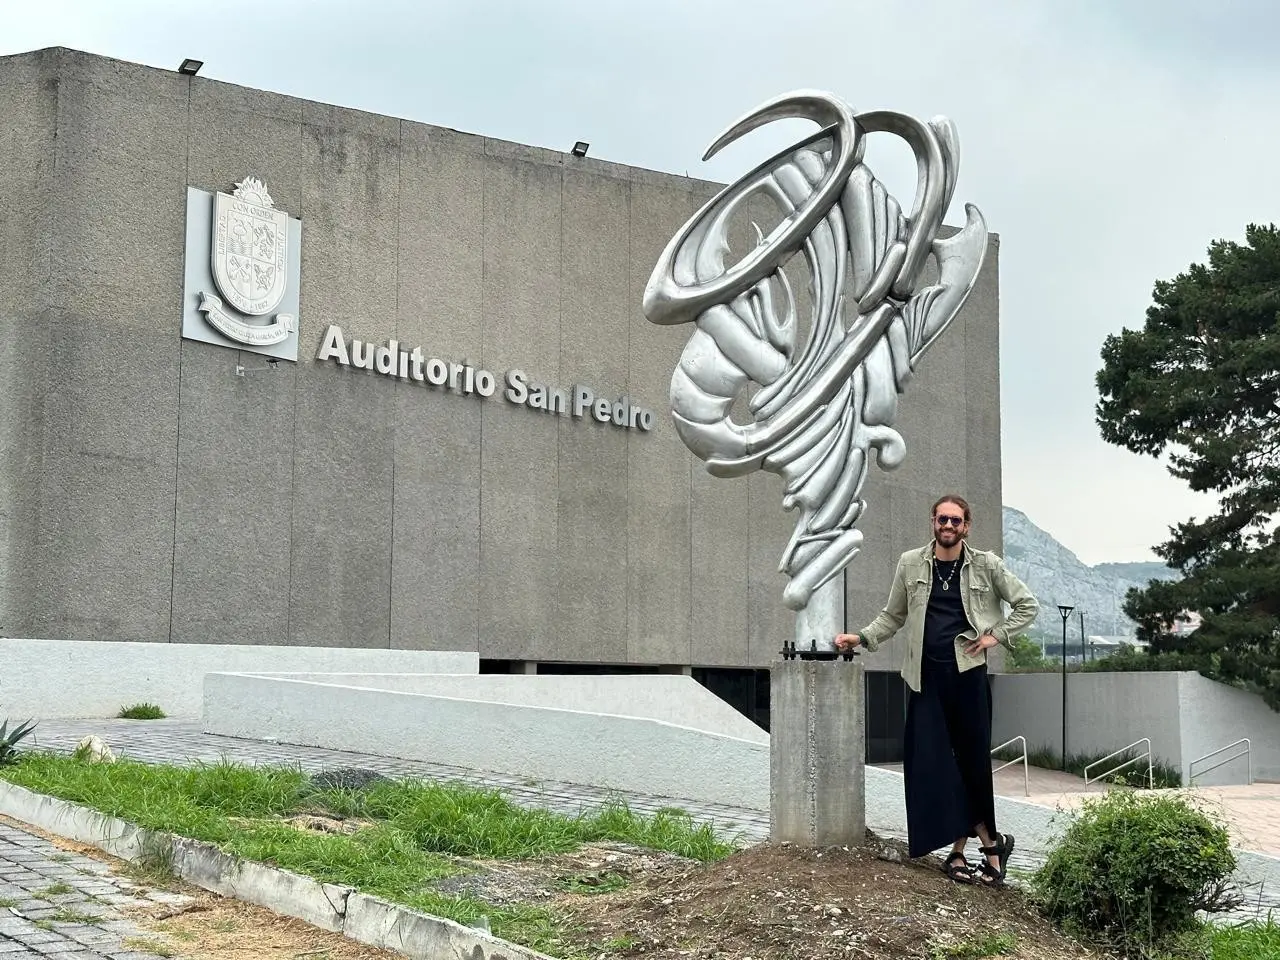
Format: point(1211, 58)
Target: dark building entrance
point(747, 691)
point(886, 704)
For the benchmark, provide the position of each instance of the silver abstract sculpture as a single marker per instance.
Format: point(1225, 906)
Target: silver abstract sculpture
point(819, 406)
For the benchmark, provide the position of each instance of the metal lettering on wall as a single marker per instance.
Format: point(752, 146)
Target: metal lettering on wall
point(246, 250)
point(413, 366)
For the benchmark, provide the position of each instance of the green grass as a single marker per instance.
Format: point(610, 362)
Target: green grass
point(588, 883)
point(67, 915)
point(148, 945)
point(141, 711)
point(415, 828)
point(53, 890)
point(1248, 941)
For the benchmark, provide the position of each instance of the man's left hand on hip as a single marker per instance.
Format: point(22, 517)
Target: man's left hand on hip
point(984, 642)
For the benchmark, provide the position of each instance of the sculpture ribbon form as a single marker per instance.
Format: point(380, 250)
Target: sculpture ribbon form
point(822, 405)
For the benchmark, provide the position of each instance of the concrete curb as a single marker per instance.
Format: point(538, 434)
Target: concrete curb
point(344, 910)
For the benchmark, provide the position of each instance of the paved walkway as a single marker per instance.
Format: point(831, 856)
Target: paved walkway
point(62, 905)
point(1011, 782)
point(1252, 811)
point(182, 741)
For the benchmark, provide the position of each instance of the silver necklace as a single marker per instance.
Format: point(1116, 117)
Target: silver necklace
point(955, 564)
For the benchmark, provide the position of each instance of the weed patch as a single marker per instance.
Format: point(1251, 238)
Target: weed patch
point(141, 711)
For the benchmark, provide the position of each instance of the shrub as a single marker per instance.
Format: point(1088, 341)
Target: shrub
point(141, 711)
point(9, 740)
point(1134, 869)
point(1025, 655)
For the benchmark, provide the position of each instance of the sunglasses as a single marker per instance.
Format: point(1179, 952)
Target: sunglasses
point(944, 520)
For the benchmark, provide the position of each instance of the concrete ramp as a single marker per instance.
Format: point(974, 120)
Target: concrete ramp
point(536, 733)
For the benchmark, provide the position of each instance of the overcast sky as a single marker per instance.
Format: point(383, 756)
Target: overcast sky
point(1106, 141)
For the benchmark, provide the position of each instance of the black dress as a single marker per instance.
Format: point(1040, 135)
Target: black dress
point(947, 769)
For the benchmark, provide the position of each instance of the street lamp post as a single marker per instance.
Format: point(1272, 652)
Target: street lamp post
point(1083, 656)
point(1065, 612)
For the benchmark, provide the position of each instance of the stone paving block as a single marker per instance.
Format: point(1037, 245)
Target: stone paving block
point(39, 936)
point(80, 932)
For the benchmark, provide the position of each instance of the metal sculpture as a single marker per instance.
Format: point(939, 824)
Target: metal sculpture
point(820, 406)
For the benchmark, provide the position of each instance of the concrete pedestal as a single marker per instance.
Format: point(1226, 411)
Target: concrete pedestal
point(816, 753)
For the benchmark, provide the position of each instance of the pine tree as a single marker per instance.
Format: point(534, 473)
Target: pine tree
point(1200, 382)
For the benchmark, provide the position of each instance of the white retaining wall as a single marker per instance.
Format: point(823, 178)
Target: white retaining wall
point(1185, 716)
point(74, 679)
point(1214, 715)
point(672, 698)
point(1105, 711)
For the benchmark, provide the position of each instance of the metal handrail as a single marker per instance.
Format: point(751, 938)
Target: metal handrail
point(1213, 753)
point(1151, 774)
point(1026, 776)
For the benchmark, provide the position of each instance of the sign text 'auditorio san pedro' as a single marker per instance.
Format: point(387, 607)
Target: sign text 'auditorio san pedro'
point(413, 366)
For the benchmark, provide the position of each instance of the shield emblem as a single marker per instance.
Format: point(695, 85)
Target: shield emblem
point(250, 253)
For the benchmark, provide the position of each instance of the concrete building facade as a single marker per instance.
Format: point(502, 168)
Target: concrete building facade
point(162, 489)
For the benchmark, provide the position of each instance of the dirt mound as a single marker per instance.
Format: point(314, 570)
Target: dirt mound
point(779, 902)
point(592, 869)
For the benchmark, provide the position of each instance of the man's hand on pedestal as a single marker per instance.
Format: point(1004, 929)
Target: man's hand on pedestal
point(847, 641)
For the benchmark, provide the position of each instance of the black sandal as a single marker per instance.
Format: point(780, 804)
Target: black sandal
point(1003, 849)
point(957, 868)
point(988, 876)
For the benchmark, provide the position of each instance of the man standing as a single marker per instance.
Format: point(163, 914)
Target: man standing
point(949, 597)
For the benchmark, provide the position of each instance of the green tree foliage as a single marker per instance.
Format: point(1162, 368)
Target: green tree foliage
point(1025, 655)
point(1200, 384)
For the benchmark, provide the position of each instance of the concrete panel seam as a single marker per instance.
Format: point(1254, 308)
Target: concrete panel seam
point(177, 415)
point(628, 440)
point(395, 395)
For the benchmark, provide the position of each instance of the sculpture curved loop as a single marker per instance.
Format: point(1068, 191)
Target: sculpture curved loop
point(820, 406)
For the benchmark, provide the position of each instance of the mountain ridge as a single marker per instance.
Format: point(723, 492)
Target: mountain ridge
point(1057, 576)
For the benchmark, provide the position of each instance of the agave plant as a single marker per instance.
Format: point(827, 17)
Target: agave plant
point(9, 741)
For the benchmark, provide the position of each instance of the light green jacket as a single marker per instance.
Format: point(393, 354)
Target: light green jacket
point(984, 582)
